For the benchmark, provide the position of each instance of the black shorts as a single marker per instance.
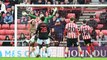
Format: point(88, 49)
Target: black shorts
point(72, 42)
point(87, 41)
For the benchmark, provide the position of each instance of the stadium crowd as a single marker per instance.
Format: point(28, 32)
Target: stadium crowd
point(57, 21)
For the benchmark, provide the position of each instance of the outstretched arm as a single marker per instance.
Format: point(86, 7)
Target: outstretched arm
point(50, 16)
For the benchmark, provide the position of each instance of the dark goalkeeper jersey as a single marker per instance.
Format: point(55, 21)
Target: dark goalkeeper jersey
point(43, 31)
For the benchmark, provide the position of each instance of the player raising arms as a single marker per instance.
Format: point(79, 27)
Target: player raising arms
point(71, 30)
point(85, 32)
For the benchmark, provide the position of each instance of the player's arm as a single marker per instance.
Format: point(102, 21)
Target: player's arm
point(32, 16)
point(78, 35)
point(37, 30)
point(66, 30)
point(50, 16)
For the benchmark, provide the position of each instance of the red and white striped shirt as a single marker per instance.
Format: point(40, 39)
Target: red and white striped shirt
point(72, 30)
point(85, 31)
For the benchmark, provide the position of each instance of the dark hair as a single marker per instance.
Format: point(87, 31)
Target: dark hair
point(84, 21)
point(72, 19)
point(42, 18)
point(21, 36)
point(91, 16)
point(7, 37)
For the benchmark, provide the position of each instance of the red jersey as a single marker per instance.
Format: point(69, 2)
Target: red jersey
point(85, 31)
point(72, 30)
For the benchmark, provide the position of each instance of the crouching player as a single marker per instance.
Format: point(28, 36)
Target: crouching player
point(71, 30)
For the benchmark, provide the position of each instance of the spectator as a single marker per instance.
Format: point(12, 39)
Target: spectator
point(27, 1)
point(22, 38)
point(8, 19)
point(93, 34)
point(92, 23)
point(102, 37)
point(1, 20)
point(7, 41)
point(52, 22)
point(2, 7)
point(103, 17)
point(13, 12)
point(41, 2)
point(58, 31)
point(66, 2)
point(63, 22)
point(24, 20)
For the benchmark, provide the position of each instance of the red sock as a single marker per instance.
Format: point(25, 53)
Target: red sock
point(88, 49)
point(92, 47)
point(81, 52)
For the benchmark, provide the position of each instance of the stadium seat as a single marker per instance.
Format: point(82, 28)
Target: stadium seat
point(20, 31)
point(12, 26)
point(95, 43)
point(2, 37)
point(18, 36)
point(1, 43)
point(97, 15)
point(70, 15)
point(99, 26)
point(21, 26)
point(2, 32)
point(18, 21)
point(26, 32)
point(67, 20)
point(28, 26)
point(105, 32)
point(0, 26)
point(9, 32)
point(97, 20)
point(97, 31)
point(11, 37)
point(5, 26)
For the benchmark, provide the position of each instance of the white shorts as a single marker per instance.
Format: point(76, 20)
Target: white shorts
point(40, 41)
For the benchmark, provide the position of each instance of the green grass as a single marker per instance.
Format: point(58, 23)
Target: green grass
point(14, 58)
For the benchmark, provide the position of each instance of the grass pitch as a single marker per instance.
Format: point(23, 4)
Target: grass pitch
point(26, 58)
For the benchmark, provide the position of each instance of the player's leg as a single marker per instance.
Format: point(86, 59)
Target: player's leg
point(31, 42)
point(88, 47)
point(92, 48)
point(39, 42)
point(47, 50)
point(76, 44)
point(69, 44)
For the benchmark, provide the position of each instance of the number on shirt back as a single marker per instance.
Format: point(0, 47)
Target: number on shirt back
point(43, 29)
point(85, 31)
point(71, 29)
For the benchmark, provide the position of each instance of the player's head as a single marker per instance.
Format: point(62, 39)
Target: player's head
point(72, 19)
point(42, 18)
point(91, 17)
point(84, 21)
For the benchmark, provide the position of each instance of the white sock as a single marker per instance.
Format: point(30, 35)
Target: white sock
point(48, 52)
